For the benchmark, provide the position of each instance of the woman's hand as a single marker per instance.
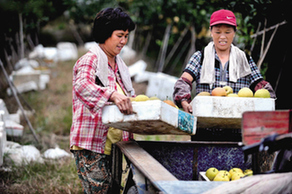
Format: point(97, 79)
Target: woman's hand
point(123, 103)
point(187, 107)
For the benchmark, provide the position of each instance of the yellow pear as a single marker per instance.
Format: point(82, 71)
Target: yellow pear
point(141, 97)
point(262, 93)
point(221, 177)
point(245, 92)
point(204, 94)
point(237, 176)
point(224, 172)
point(211, 173)
point(248, 172)
point(228, 89)
point(235, 170)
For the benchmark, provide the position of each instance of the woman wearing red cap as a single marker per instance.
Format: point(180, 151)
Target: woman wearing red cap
point(219, 64)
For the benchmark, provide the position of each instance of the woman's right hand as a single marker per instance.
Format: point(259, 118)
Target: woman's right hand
point(123, 102)
point(186, 106)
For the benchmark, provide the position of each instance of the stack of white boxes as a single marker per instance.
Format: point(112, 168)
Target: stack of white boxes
point(2, 136)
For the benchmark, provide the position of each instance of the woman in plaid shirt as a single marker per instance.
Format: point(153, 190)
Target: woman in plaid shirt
point(97, 77)
point(219, 64)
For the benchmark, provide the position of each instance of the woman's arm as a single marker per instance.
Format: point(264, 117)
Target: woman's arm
point(183, 86)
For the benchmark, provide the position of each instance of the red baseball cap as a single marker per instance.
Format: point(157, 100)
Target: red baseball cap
point(223, 16)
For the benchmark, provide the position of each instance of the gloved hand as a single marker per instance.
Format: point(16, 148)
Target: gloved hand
point(265, 85)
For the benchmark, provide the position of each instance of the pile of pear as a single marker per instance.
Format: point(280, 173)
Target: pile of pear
point(243, 92)
point(233, 174)
point(142, 97)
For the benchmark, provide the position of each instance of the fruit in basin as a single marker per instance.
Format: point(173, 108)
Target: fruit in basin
point(245, 92)
point(219, 92)
point(211, 173)
point(228, 89)
point(237, 176)
point(248, 172)
point(225, 172)
point(235, 170)
point(262, 93)
point(221, 177)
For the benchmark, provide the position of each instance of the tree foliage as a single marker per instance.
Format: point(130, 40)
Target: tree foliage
point(150, 16)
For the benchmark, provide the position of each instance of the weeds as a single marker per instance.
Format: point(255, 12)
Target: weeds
point(48, 177)
point(52, 121)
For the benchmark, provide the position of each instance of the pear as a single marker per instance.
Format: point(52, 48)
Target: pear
point(204, 94)
point(219, 92)
point(262, 93)
point(245, 92)
point(141, 97)
point(228, 89)
point(211, 173)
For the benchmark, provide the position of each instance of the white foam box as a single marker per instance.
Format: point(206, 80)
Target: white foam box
point(226, 112)
point(151, 117)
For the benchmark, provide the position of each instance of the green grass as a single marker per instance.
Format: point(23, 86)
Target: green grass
point(48, 177)
point(51, 121)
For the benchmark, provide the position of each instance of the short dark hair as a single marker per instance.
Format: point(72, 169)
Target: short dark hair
point(109, 20)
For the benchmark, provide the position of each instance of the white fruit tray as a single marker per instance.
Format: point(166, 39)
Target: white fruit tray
point(203, 177)
point(226, 112)
point(151, 117)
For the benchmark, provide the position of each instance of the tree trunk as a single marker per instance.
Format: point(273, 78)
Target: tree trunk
point(174, 48)
point(254, 40)
point(163, 49)
point(178, 57)
point(192, 47)
point(131, 39)
point(76, 34)
point(263, 55)
point(21, 36)
point(147, 42)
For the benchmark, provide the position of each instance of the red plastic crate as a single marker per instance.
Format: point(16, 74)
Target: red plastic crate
point(256, 125)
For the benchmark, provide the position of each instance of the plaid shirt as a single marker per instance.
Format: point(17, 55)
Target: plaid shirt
point(87, 130)
point(221, 76)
